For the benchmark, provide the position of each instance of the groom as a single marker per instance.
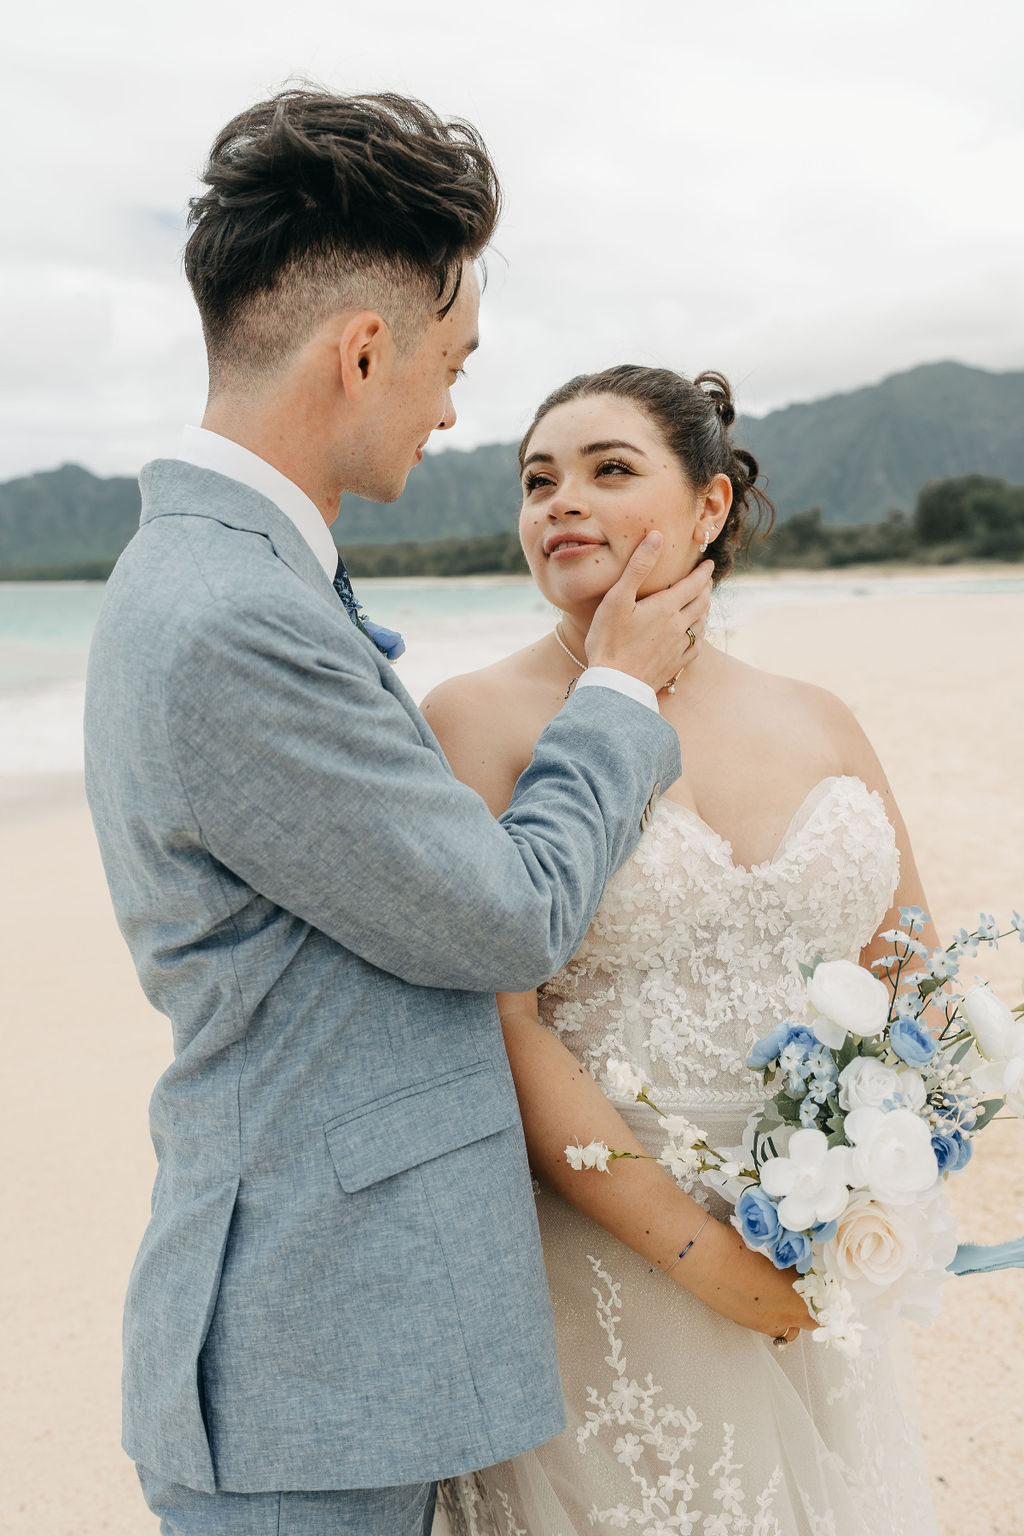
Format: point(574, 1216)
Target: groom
point(340, 1295)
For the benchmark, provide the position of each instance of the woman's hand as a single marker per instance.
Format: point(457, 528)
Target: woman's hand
point(742, 1285)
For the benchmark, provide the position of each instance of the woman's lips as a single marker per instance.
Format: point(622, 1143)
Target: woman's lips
point(566, 549)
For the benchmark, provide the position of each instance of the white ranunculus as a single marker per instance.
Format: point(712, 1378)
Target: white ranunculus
point(1002, 1080)
point(866, 1083)
point(1013, 1085)
point(622, 1080)
point(811, 1180)
point(846, 999)
point(990, 1022)
point(892, 1154)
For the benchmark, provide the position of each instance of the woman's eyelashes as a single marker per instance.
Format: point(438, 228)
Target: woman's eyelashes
point(606, 469)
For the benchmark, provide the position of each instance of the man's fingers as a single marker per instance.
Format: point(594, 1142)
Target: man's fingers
point(641, 563)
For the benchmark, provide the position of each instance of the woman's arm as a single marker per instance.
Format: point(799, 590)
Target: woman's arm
point(637, 1202)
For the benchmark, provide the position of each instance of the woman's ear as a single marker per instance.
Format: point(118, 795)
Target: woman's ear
point(712, 515)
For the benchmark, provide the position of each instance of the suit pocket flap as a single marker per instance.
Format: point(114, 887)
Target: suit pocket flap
point(424, 1121)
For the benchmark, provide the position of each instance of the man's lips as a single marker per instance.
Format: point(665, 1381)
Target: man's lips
point(566, 544)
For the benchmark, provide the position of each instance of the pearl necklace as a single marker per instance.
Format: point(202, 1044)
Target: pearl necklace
point(581, 664)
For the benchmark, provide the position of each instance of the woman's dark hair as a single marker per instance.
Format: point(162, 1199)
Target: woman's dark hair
point(308, 189)
point(694, 420)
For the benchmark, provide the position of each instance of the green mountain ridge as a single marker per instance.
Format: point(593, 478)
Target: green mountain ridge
point(857, 456)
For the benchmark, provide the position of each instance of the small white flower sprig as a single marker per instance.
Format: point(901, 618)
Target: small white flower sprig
point(686, 1153)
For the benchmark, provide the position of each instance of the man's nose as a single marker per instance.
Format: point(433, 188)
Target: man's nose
point(448, 419)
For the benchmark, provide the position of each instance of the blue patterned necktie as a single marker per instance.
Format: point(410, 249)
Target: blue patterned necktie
point(343, 587)
point(388, 641)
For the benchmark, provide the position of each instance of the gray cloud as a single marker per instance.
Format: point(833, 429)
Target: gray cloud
point(808, 197)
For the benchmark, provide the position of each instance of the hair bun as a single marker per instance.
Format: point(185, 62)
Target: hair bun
point(720, 396)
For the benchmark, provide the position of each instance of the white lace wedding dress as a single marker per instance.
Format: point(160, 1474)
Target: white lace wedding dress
point(681, 1422)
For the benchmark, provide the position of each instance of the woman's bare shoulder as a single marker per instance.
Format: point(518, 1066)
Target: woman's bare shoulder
point(483, 728)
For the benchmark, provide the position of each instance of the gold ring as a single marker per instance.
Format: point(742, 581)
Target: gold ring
point(693, 637)
point(783, 1339)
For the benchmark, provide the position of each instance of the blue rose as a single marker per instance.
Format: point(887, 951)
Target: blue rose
point(757, 1216)
point(825, 1231)
point(911, 1041)
point(791, 1249)
point(952, 1150)
point(770, 1048)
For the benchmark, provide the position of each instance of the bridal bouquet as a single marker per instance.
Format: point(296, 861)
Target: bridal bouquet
point(877, 1095)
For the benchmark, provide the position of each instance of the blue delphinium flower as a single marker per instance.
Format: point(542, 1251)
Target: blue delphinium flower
point(988, 928)
point(966, 943)
point(913, 918)
point(809, 1108)
point(952, 1150)
point(791, 1249)
point(757, 1216)
point(1017, 922)
point(911, 1041)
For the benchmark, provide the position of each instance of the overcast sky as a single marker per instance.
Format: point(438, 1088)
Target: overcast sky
point(807, 195)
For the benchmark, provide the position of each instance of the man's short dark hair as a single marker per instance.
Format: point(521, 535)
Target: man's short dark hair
point(316, 203)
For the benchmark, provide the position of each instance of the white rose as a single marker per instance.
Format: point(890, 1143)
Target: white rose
point(866, 1083)
point(892, 1154)
point(811, 1179)
point(893, 1259)
point(847, 1000)
point(991, 1023)
point(912, 1087)
point(621, 1080)
point(874, 1243)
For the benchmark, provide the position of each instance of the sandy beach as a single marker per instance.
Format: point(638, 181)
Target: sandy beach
point(935, 681)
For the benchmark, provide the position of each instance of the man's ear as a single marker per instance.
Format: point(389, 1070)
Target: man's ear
point(364, 350)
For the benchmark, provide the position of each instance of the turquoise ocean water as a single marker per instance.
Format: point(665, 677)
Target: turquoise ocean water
point(450, 627)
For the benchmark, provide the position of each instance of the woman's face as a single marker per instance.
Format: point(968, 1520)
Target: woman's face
point(596, 478)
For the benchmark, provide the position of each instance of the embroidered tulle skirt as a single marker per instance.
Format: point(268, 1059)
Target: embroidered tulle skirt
point(681, 1422)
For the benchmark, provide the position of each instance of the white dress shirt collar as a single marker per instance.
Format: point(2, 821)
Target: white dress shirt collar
point(208, 450)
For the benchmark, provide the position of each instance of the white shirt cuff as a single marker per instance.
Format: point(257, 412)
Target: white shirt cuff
point(620, 682)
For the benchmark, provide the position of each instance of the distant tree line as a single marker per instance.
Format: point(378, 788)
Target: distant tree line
point(971, 517)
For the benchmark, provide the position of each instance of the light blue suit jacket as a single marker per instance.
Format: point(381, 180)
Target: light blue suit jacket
point(341, 1283)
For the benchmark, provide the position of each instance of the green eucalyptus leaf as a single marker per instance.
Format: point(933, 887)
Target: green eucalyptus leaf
point(987, 1112)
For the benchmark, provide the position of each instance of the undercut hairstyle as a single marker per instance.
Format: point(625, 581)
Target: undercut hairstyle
point(694, 420)
point(317, 203)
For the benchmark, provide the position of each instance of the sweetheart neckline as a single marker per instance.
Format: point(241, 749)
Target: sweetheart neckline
point(831, 779)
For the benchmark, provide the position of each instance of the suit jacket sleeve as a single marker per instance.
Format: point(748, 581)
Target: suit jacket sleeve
point(315, 783)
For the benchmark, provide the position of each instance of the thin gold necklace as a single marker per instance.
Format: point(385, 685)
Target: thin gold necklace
point(669, 687)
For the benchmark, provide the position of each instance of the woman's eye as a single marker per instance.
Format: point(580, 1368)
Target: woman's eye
point(613, 467)
point(532, 481)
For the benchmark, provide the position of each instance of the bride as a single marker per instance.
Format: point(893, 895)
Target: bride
point(780, 841)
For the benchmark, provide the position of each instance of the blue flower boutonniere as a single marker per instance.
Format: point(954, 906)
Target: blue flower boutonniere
point(389, 641)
